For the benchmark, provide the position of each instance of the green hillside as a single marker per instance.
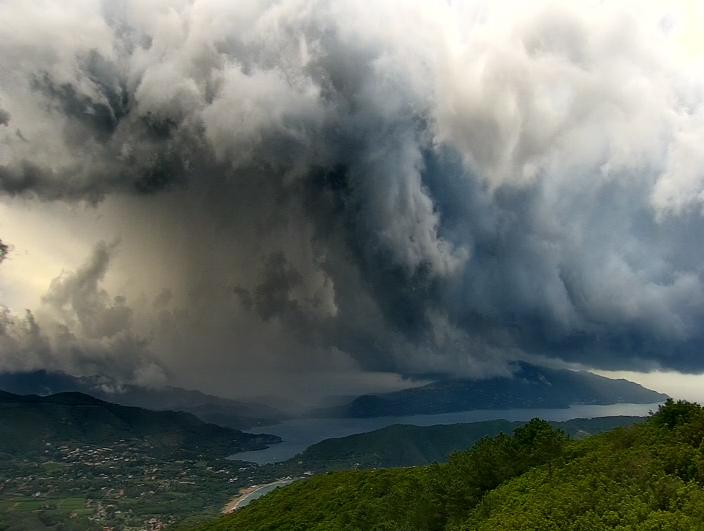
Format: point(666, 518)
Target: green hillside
point(401, 445)
point(28, 423)
point(646, 476)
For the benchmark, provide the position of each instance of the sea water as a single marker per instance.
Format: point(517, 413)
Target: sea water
point(298, 434)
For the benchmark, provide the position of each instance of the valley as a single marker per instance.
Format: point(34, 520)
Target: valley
point(71, 461)
point(107, 470)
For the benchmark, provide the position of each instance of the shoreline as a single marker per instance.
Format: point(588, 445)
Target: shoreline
point(247, 492)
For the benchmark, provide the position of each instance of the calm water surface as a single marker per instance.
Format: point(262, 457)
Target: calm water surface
point(298, 434)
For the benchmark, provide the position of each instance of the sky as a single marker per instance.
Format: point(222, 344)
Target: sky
point(306, 198)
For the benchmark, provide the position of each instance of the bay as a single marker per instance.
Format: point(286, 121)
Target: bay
point(298, 434)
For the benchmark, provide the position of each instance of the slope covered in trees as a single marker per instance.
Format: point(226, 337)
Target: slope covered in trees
point(29, 422)
point(401, 445)
point(209, 408)
point(646, 476)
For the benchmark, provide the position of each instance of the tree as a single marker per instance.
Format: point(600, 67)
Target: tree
point(674, 413)
point(539, 443)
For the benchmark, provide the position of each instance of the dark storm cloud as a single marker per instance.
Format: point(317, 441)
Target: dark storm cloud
point(272, 296)
point(423, 188)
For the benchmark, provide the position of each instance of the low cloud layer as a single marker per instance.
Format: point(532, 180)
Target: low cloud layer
point(315, 187)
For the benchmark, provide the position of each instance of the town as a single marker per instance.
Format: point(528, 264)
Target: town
point(121, 487)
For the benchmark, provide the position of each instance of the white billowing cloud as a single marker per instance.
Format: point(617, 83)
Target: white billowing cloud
point(558, 91)
point(680, 186)
point(254, 106)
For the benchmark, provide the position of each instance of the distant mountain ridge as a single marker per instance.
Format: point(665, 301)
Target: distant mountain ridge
point(530, 387)
point(215, 409)
point(29, 422)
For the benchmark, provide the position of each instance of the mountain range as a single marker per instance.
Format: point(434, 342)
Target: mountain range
point(28, 423)
point(530, 386)
point(209, 408)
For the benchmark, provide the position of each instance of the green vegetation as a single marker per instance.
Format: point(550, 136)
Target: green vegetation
point(72, 462)
point(28, 423)
point(127, 485)
point(646, 476)
point(405, 445)
point(123, 486)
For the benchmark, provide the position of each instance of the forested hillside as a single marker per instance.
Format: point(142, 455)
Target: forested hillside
point(402, 445)
point(30, 423)
point(646, 476)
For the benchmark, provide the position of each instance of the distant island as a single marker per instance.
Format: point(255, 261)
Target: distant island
point(530, 387)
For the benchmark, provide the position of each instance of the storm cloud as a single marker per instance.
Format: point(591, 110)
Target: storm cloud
point(79, 328)
point(393, 187)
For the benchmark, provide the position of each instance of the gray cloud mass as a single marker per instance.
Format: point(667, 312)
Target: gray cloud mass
point(407, 187)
